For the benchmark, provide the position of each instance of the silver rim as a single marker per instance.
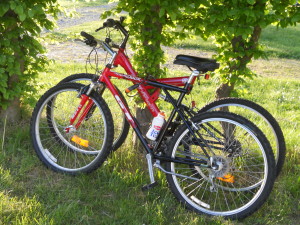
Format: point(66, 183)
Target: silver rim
point(227, 199)
point(276, 150)
point(115, 115)
point(57, 147)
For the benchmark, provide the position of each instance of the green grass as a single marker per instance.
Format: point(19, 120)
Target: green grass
point(282, 43)
point(32, 194)
point(81, 3)
point(71, 33)
point(276, 42)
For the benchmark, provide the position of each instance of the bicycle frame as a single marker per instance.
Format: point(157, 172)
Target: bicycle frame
point(183, 85)
point(216, 163)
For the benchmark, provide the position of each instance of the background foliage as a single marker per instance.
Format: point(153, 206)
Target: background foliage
point(152, 24)
point(31, 194)
point(234, 25)
point(21, 23)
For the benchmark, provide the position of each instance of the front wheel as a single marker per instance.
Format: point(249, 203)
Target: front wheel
point(61, 146)
point(121, 126)
point(239, 173)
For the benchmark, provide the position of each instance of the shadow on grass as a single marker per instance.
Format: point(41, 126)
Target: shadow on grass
point(31, 194)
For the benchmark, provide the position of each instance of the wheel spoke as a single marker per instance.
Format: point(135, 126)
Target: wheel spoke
point(72, 150)
point(241, 161)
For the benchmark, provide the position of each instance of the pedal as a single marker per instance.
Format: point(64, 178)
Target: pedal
point(149, 186)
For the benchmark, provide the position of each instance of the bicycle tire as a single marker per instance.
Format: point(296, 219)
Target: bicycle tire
point(251, 169)
point(121, 129)
point(277, 142)
point(63, 153)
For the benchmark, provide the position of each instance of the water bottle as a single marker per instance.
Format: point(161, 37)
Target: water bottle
point(156, 125)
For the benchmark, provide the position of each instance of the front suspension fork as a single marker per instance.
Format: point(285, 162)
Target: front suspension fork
point(86, 106)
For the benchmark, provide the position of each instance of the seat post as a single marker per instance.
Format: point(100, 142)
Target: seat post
point(195, 73)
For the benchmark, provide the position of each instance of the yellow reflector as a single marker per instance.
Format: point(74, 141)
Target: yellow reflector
point(80, 141)
point(227, 178)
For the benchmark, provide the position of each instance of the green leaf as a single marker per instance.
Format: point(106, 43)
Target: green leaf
point(22, 16)
point(31, 13)
point(295, 18)
point(162, 13)
point(12, 5)
point(3, 9)
point(173, 15)
point(251, 2)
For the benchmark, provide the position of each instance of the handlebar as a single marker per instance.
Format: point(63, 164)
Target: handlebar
point(107, 23)
point(114, 23)
point(91, 41)
point(87, 36)
point(117, 24)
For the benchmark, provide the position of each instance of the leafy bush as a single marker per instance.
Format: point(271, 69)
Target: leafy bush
point(21, 52)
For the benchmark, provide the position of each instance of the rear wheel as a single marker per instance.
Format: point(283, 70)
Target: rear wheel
point(243, 172)
point(260, 117)
point(62, 147)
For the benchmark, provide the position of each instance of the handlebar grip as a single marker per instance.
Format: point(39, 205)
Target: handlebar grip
point(100, 28)
point(87, 36)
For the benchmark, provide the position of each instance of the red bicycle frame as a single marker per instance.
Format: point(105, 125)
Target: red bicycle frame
point(122, 60)
point(182, 85)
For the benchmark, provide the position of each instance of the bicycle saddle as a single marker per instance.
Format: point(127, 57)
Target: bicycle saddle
point(201, 64)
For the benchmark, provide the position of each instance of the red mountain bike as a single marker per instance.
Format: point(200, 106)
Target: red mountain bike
point(217, 163)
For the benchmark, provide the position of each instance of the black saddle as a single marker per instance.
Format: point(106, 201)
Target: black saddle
point(201, 64)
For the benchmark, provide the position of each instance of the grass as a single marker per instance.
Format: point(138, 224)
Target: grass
point(281, 45)
point(276, 42)
point(81, 3)
point(32, 194)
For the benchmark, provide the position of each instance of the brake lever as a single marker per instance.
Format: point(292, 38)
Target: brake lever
point(122, 18)
point(100, 28)
point(90, 42)
point(86, 41)
point(77, 39)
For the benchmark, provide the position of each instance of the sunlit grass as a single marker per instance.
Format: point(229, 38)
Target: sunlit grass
point(81, 3)
point(32, 194)
point(276, 42)
point(112, 194)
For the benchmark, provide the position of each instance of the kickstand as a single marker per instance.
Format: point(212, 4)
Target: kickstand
point(151, 174)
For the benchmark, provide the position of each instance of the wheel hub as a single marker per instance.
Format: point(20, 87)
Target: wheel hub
point(220, 166)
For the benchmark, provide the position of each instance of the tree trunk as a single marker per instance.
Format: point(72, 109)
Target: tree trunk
point(13, 112)
point(237, 43)
point(224, 90)
point(143, 115)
